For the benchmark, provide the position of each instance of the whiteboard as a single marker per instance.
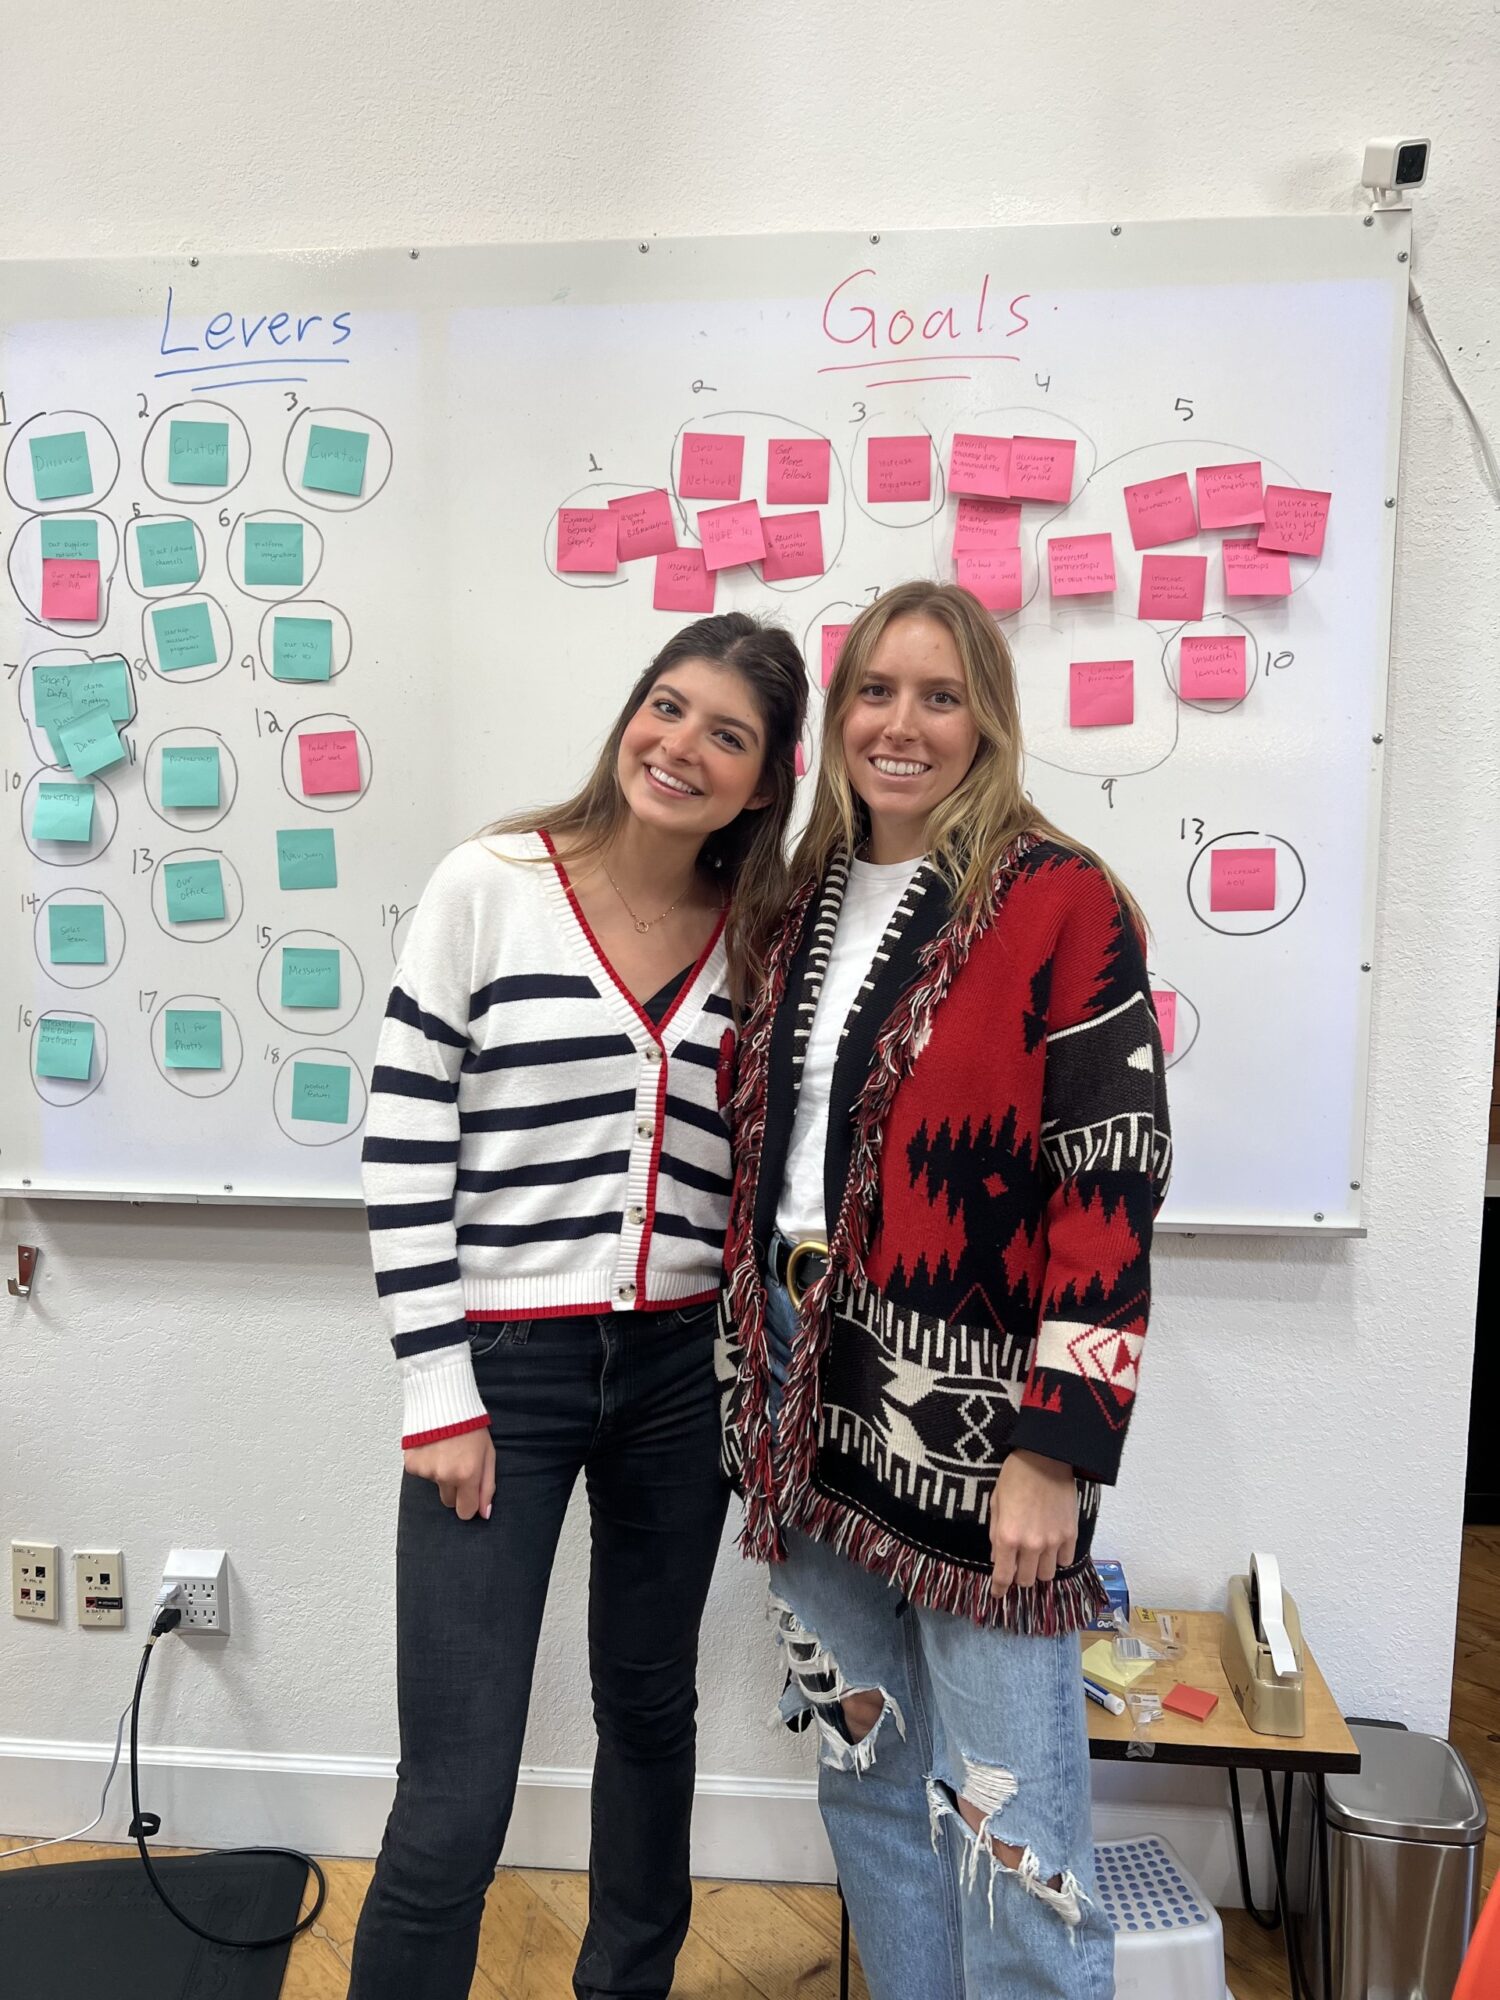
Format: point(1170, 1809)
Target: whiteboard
point(496, 385)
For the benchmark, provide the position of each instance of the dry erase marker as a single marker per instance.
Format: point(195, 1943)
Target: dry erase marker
point(1103, 1696)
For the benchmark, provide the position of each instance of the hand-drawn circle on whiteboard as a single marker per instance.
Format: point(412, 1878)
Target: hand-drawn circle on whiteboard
point(378, 457)
point(60, 656)
point(398, 933)
point(1255, 923)
point(198, 1082)
point(812, 638)
point(311, 1131)
point(599, 579)
point(24, 567)
point(219, 629)
point(291, 764)
point(1044, 655)
point(65, 1091)
point(70, 853)
point(156, 453)
point(758, 427)
point(189, 819)
point(1171, 662)
point(1187, 1015)
point(198, 931)
point(77, 977)
point(305, 607)
point(1036, 515)
point(896, 513)
point(312, 554)
point(157, 591)
point(310, 1020)
point(103, 457)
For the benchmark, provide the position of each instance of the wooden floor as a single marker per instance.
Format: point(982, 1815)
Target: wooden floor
point(760, 1941)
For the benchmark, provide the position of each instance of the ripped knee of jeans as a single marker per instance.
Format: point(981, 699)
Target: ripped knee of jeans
point(987, 1790)
point(849, 1718)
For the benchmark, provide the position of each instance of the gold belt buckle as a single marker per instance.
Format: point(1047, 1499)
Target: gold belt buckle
point(800, 1250)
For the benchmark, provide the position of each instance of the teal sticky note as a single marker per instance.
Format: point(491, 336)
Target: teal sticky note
point(273, 552)
point(194, 1038)
point(58, 692)
point(309, 978)
point(190, 776)
point(75, 933)
point(60, 466)
point(302, 649)
point(63, 812)
point(184, 636)
point(194, 891)
point(88, 742)
point(167, 552)
point(320, 1091)
point(69, 541)
point(65, 1048)
point(335, 460)
point(197, 454)
point(305, 858)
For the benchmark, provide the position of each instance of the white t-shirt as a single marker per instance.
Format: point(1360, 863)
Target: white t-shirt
point(869, 904)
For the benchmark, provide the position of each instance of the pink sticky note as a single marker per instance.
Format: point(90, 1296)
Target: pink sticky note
point(731, 535)
point(979, 465)
point(994, 576)
point(797, 471)
point(69, 589)
point(1296, 519)
point(711, 465)
point(1172, 586)
point(1212, 669)
point(330, 761)
point(1041, 468)
point(1161, 510)
point(801, 762)
point(899, 468)
point(1229, 496)
point(645, 524)
point(1166, 1017)
point(683, 582)
point(1242, 878)
point(587, 540)
point(794, 545)
point(1251, 571)
point(833, 644)
point(987, 524)
point(1101, 693)
point(1080, 564)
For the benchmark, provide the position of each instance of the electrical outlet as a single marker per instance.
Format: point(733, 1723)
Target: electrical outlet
point(34, 1580)
point(202, 1579)
point(99, 1586)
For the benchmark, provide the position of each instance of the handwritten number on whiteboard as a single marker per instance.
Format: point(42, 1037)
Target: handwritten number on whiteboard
point(1108, 789)
point(4, 413)
point(135, 510)
point(1041, 384)
point(145, 409)
point(223, 517)
point(1185, 404)
point(263, 936)
point(1196, 825)
point(291, 398)
point(860, 414)
point(594, 465)
point(700, 385)
point(1279, 661)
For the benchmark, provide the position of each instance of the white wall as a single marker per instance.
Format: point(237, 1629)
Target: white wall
point(220, 1377)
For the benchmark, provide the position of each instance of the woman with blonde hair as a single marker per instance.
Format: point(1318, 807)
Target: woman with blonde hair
point(951, 1141)
point(547, 1174)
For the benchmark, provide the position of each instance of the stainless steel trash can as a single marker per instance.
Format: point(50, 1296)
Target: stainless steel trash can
point(1405, 1847)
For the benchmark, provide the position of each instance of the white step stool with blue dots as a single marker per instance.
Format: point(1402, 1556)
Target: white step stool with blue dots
point(1169, 1943)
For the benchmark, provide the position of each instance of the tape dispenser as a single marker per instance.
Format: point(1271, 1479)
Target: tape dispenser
point(1260, 1650)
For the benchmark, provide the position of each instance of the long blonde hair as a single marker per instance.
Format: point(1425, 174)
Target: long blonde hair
point(969, 831)
point(745, 860)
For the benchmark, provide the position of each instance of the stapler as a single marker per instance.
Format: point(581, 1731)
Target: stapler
point(1260, 1650)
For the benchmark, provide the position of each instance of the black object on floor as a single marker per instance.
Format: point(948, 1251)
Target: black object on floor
point(78, 1930)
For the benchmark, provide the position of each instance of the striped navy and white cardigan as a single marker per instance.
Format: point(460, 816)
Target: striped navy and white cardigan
point(535, 1145)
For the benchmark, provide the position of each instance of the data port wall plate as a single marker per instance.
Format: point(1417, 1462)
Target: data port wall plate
point(99, 1586)
point(34, 1580)
point(202, 1580)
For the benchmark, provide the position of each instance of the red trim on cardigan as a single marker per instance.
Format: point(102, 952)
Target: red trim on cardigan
point(643, 1255)
point(447, 1431)
point(597, 1311)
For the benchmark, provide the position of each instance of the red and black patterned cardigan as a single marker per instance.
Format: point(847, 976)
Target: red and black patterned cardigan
point(998, 1146)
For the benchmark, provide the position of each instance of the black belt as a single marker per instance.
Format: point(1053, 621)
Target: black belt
point(810, 1266)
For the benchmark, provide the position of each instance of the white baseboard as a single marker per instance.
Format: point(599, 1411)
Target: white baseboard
point(743, 1828)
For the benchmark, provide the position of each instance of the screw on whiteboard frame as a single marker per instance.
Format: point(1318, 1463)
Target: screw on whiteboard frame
point(1354, 1184)
point(1391, 500)
point(1369, 222)
point(1317, 1215)
point(229, 1187)
point(1365, 966)
point(415, 254)
point(1377, 739)
point(1114, 229)
point(194, 262)
point(643, 248)
point(1401, 256)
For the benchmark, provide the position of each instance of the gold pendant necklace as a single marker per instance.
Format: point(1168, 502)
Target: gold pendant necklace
point(642, 924)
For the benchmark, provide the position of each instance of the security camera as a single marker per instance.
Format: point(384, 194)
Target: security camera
point(1394, 165)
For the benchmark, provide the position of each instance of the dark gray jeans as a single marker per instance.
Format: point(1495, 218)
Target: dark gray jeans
point(629, 1400)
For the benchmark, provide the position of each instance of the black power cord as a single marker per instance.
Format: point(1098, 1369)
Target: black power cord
point(144, 1824)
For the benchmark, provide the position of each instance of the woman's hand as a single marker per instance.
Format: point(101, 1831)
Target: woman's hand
point(463, 1469)
point(1033, 1520)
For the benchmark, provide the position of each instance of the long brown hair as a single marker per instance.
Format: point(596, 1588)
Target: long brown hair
point(969, 831)
point(747, 858)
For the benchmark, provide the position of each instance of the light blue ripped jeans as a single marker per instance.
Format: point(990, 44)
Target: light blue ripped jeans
point(992, 1715)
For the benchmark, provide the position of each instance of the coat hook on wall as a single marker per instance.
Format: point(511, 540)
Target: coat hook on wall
point(19, 1286)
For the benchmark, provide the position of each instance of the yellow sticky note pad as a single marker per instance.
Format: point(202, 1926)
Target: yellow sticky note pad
point(1100, 1664)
